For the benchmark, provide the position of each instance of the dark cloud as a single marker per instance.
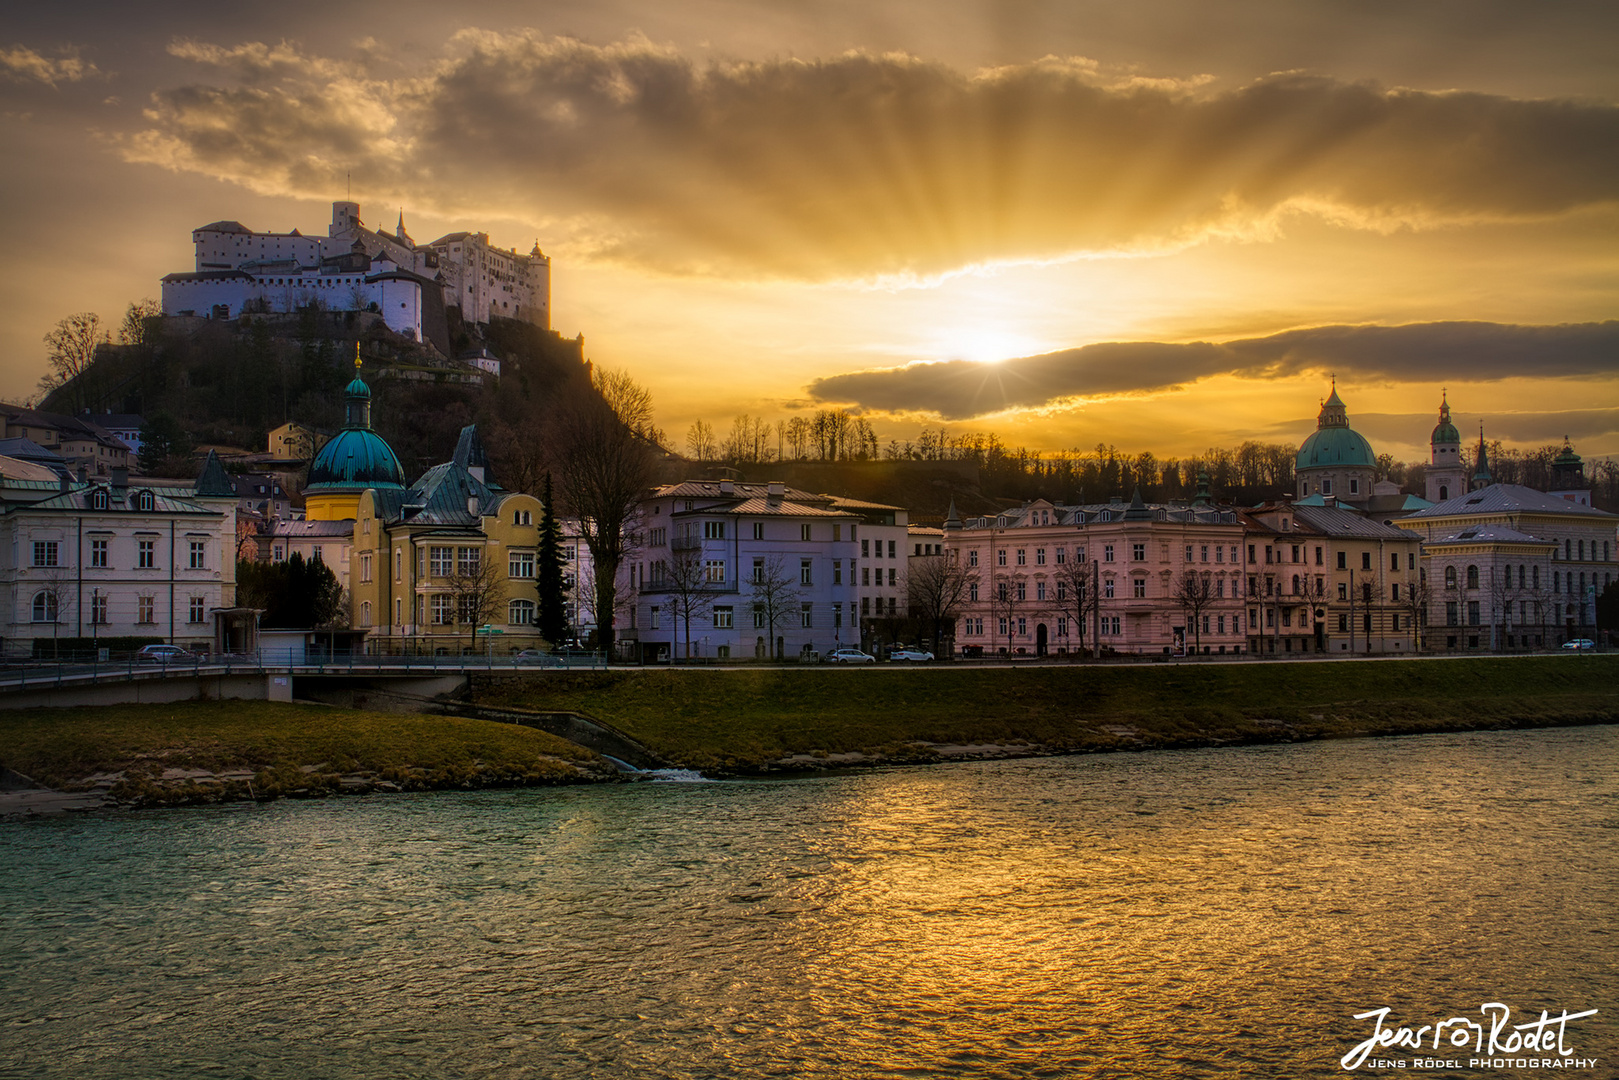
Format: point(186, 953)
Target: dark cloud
point(1460, 351)
point(868, 165)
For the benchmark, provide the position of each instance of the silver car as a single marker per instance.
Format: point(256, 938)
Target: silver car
point(850, 656)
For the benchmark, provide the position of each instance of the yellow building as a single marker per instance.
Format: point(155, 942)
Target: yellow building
point(447, 566)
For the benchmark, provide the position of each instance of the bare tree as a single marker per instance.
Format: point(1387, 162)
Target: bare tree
point(52, 601)
point(70, 349)
point(1313, 591)
point(136, 329)
point(1004, 601)
point(477, 585)
point(775, 597)
point(936, 589)
point(606, 461)
point(1077, 596)
point(1194, 593)
point(700, 441)
point(1414, 600)
point(685, 582)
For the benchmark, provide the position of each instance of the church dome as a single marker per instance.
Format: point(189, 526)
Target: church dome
point(1335, 444)
point(1445, 433)
point(358, 458)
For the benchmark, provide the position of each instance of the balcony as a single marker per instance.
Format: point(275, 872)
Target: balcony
point(686, 543)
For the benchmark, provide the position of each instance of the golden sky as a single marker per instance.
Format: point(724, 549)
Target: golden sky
point(1162, 225)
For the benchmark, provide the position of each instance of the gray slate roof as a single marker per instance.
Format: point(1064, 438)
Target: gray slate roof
point(1508, 499)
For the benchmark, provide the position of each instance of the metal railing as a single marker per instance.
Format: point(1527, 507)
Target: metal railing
point(33, 675)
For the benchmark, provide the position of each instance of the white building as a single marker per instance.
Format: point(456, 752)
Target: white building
point(357, 268)
point(885, 550)
point(105, 559)
point(746, 570)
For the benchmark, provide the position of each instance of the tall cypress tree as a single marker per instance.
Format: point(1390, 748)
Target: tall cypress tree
point(553, 621)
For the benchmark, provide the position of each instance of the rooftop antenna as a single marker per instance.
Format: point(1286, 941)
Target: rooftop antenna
point(349, 176)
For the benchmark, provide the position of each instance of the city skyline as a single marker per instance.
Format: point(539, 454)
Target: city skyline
point(1163, 228)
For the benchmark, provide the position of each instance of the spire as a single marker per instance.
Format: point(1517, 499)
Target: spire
point(1203, 497)
point(1481, 474)
point(1138, 509)
point(213, 483)
point(358, 409)
point(952, 520)
point(1333, 412)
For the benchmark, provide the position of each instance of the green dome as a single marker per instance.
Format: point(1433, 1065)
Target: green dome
point(357, 389)
point(1445, 432)
point(358, 458)
point(1335, 446)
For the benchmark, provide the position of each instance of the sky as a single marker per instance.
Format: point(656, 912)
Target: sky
point(1163, 225)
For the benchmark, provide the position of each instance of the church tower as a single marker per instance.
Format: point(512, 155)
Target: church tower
point(1568, 477)
point(1446, 477)
point(1481, 474)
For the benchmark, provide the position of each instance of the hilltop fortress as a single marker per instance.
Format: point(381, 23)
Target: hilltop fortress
point(357, 268)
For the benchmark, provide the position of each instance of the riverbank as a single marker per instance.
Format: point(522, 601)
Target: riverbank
point(207, 752)
point(758, 721)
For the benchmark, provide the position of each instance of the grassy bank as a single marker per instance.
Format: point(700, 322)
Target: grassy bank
point(746, 720)
point(212, 751)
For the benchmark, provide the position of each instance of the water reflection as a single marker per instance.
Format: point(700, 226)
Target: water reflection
point(1211, 913)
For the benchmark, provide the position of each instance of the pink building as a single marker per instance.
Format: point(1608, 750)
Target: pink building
point(1049, 578)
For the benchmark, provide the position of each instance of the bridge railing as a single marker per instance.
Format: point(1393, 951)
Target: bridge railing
point(46, 674)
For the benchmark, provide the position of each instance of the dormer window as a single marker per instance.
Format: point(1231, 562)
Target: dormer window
point(98, 500)
point(143, 501)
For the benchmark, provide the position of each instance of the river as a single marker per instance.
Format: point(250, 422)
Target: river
point(1210, 913)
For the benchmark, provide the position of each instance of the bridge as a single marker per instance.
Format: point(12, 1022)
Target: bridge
point(264, 676)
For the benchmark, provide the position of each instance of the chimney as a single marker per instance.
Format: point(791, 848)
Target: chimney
point(727, 488)
point(472, 505)
point(120, 476)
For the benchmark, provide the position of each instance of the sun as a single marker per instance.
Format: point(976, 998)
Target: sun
point(985, 344)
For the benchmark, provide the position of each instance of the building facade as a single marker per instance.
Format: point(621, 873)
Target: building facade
point(1052, 578)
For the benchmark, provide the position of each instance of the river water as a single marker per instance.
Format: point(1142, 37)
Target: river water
point(1215, 913)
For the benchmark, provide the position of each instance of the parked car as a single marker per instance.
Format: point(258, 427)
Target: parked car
point(536, 658)
point(163, 654)
point(909, 655)
point(1580, 643)
point(849, 656)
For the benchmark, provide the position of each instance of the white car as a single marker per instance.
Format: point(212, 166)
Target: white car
point(909, 655)
point(1580, 643)
point(163, 654)
point(850, 656)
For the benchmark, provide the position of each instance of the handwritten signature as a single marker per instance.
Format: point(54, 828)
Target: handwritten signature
point(1545, 1035)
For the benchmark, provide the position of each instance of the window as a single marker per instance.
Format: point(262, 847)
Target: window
point(758, 530)
point(146, 609)
point(197, 612)
point(98, 609)
point(143, 501)
point(45, 552)
point(1326, 487)
point(804, 576)
point(972, 592)
point(520, 564)
point(45, 607)
point(522, 517)
point(1022, 590)
point(468, 610)
point(972, 556)
point(1039, 590)
point(723, 617)
point(1472, 613)
point(713, 530)
point(1107, 553)
point(1205, 553)
point(1062, 626)
point(146, 554)
point(98, 553)
point(1022, 557)
point(467, 561)
point(1138, 552)
point(1107, 588)
point(893, 577)
point(893, 551)
point(199, 555)
point(714, 570)
point(1354, 487)
point(1472, 577)
point(758, 571)
point(1000, 557)
point(98, 501)
point(1343, 590)
point(1343, 623)
point(1062, 556)
point(655, 618)
point(865, 549)
point(806, 613)
point(837, 571)
point(803, 532)
point(865, 575)
point(1219, 553)
point(1039, 556)
point(439, 560)
point(1189, 553)
point(1394, 592)
point(837, 616)
point(1343, 560)
point(520, 613)
point(1139, 588)
point(1366, 560)
point(758, 617)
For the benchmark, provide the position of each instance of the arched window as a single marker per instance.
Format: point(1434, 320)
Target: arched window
point(1450, 577)
point(1296, 589)
point(1472, 577)
point(1444, 492)
point(520, 613)
point(45, 607)
point(143, 501)
point(98, 501)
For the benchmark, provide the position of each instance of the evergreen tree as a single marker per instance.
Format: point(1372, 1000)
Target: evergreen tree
point(293, 595)
point(553, 616)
